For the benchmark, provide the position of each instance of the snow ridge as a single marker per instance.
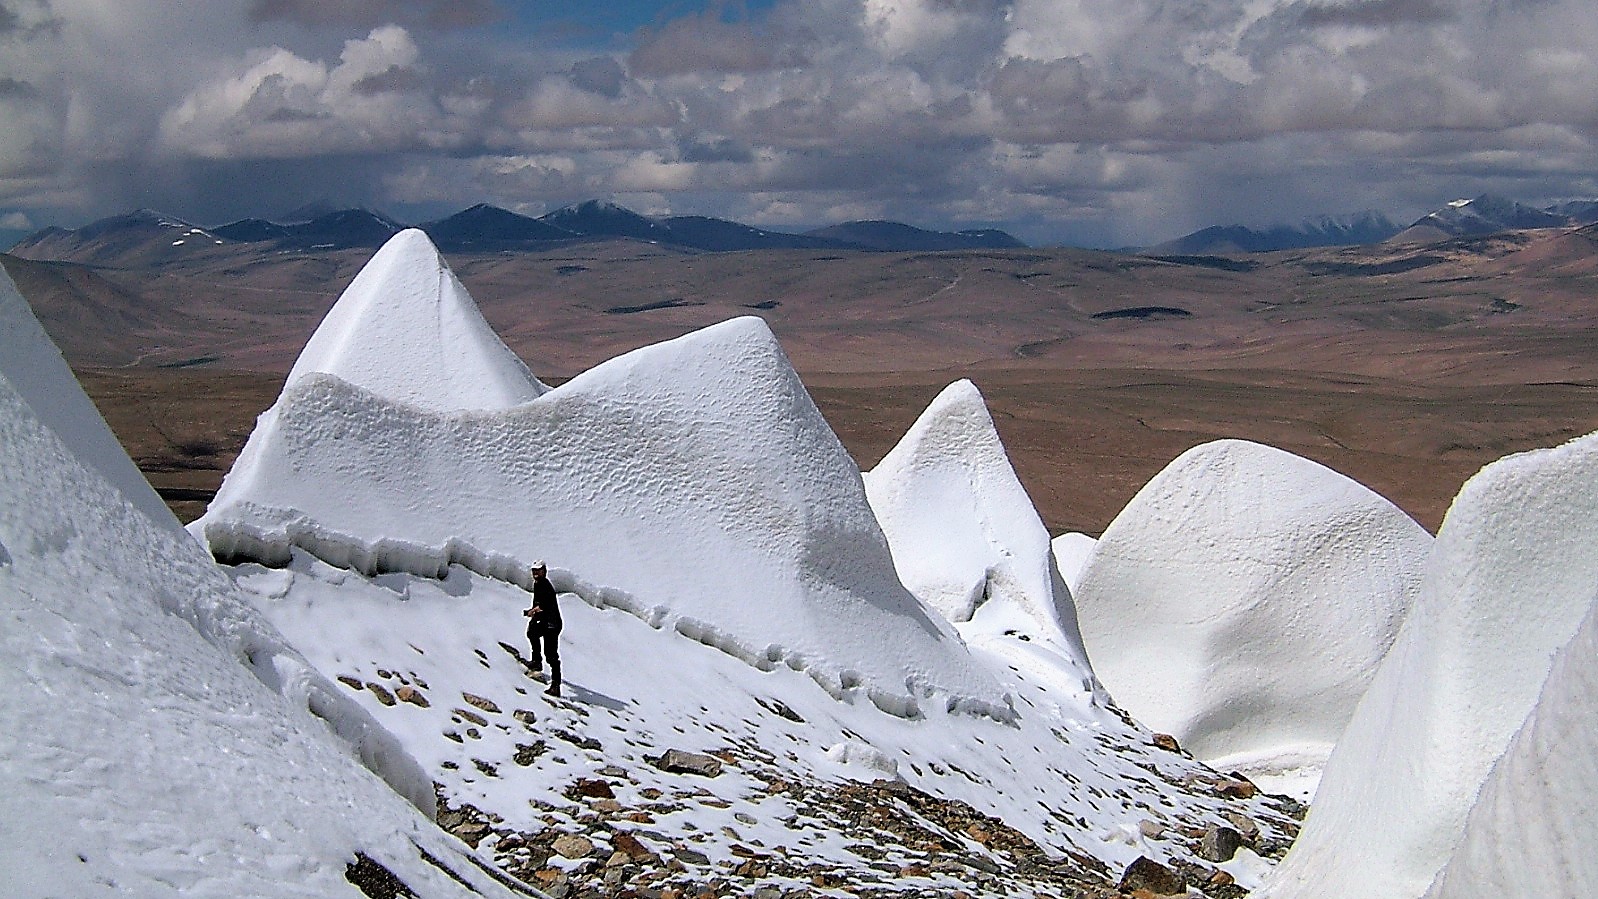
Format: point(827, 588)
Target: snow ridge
point(694, 476)
point(236, 542)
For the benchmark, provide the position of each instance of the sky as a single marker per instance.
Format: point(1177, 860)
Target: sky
point(1078, 122)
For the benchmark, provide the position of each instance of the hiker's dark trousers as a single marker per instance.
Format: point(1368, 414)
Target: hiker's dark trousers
point(545, 643)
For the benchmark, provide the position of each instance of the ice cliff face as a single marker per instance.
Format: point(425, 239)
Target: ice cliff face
point(1512, 576)
point(1242, 600)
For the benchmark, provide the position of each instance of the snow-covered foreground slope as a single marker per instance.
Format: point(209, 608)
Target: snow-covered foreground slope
point(1523, 837)
point(967, 541)
point(1514, 571)
point(1242, 600)
point(812, 791)
point(156, 734)
point(692, 483)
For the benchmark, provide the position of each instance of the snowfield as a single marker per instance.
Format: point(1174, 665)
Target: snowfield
point(783, 677)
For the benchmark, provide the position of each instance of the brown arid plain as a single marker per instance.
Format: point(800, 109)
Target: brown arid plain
point(1406, 367)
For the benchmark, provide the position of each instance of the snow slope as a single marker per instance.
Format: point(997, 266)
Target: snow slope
point(1242, 600)
point(1530, 832)
point(157, 735)
point(34, 368)
point(965, 537)
point(692, 483)
point(406, 328)
point(1079, 785)
point(1514, 571)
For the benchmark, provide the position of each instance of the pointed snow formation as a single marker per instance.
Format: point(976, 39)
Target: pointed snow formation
point(157, 735)
point(1242, 600)
point(965, 537)
point(693, 483)
point(406, 329)
point(33, 366)
point(1514, 572)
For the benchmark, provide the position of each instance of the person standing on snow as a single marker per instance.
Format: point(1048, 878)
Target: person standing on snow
point(543, 628)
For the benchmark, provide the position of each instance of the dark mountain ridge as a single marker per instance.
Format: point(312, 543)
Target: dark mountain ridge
point(115, 241)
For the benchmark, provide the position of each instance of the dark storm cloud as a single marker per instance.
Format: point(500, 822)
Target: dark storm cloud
point(716, 150)
point(392, 80)
point(601, 75)
point(1375, 13)
point(444, 14)
point(14, 89)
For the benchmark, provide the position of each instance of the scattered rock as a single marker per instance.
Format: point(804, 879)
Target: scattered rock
point(526, 717)
point(1244, 824)
point(412, 695)
point(1220, 844)
point(1221, 879)
point(476, 719)
point(1238, 788)
point(1148, 874)
point(487, 705)
point(1167, 743)
point(589, 788)
point(527, 754)
point(1151, 830)
point(354, 683)
point(571, 845)
point(381, 692)
point(689, 856)
point(635, 849)
point(677, 761)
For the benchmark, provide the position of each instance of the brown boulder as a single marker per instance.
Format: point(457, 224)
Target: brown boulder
point(1148, 874)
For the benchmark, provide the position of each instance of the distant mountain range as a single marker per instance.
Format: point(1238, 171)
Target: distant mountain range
point(145, 237)
point(1486, 214)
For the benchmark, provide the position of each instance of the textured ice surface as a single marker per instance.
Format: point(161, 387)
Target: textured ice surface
point(1242, 600)
point(1514, 572)
point(1531, 832)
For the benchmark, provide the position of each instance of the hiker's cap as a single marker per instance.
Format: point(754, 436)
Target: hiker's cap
point(537, 565)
